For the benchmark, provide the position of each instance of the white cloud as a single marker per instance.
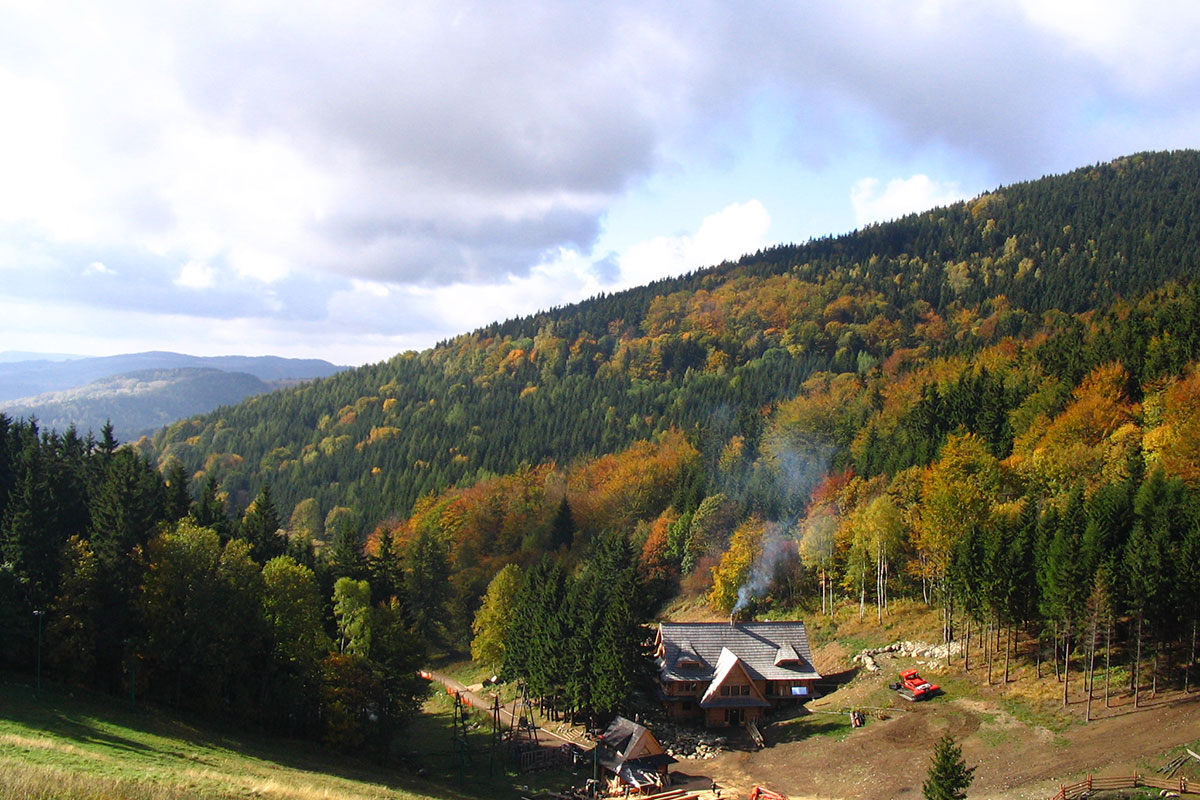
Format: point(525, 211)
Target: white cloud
point(732, 232)
point(98, 268)
point(1147, 47)
point(196, 275)
point(480, 146)
point(901, 196)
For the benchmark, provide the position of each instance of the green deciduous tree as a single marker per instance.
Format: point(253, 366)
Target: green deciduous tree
point(351, 609)
point(494, 617)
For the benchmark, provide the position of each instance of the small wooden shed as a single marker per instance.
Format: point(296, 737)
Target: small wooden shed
point(632, 758)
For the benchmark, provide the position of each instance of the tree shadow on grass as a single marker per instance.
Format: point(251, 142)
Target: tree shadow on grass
point(91, 721)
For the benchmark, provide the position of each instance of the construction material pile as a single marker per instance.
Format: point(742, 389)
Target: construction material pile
point(933, 652)
point(684, 743)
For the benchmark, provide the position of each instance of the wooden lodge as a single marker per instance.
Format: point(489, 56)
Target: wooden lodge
point(726, 674)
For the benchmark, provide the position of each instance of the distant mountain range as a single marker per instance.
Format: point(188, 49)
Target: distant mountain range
point(140, 392)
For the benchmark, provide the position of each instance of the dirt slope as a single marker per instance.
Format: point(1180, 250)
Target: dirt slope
point(817, 755)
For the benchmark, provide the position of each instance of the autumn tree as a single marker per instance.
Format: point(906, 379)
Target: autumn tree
point(957, 494)
point(71, 623)
point(494, 618)
point(736, 565)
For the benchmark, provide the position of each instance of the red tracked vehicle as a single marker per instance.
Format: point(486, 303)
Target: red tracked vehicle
point(913, 687)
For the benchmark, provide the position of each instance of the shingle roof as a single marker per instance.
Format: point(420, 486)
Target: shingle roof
point(757, 644)
point(622, 740)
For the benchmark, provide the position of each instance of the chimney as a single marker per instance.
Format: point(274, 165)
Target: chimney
point(732, 618)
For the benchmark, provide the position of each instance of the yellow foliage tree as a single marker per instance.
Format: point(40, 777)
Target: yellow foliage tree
point(734, 569)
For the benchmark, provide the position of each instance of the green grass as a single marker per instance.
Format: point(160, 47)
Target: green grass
point(430, 742)
point(806, 726)
point(82, 745)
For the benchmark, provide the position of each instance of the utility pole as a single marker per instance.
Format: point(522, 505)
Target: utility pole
point(38, 680)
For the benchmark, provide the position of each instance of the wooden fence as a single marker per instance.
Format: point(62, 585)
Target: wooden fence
point(1086, 787)
point(544, 758)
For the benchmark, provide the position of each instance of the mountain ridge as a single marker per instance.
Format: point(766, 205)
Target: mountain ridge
point(710, 351)
point(32, 377)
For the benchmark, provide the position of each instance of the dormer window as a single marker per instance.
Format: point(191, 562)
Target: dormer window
point(688, 658)
point(787, 655)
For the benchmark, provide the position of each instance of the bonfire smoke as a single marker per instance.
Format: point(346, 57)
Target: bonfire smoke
point(793, 461)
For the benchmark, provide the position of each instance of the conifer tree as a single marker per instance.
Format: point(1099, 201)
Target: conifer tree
point(547, 667)
point(344, 555)
point(562, 531)
point(518, 651)
point(949, 776)
point(178, 499)
point(383, 566)
point(427, 583)
point(260, 527)
point(210, 511)
point(616, 650)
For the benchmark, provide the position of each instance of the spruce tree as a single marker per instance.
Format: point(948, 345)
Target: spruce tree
point(427, 583)
point(562, 532)
point(949, 775)
point(210, 511)
point(178, 497)
point(260, 527)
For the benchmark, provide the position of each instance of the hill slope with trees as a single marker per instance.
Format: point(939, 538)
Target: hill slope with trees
point(990, 407)
point(707, 352)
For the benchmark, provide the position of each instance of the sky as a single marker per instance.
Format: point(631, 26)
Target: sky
point(351, 180)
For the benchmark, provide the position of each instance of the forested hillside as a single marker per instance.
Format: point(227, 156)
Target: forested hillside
point(707, 353)
point(140, 402)
point(992, 407)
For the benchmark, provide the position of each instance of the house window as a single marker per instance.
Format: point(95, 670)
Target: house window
point(746, 690)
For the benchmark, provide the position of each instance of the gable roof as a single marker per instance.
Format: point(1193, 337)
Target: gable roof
point(625, 745)
point(765, 649)
point(726, 664)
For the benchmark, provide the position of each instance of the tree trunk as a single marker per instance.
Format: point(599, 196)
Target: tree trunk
point(1154, 673)
point(967, 647)
point(1107, 657)
point(1057, 673)
point(1187, 673)
point(885, 583)
point(1137, 666)
point(1038, 656)
point(1091, 670)
point(862, 595)
point(1008, 646)
point(987, 650)
point(1066, 662)
point(949, 625)
point(821, 580)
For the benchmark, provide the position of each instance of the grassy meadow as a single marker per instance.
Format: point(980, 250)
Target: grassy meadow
point(80, 745)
